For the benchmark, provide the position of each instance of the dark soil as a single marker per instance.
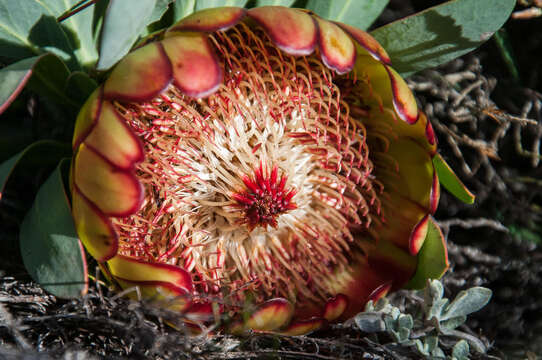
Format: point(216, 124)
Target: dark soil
point(489, 127)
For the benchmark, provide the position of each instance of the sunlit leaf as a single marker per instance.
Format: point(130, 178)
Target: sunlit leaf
point(286, 3)
point(159, 9)
point(441, 33)
point(78, 28)
point(467, 302)
point(29, 27)
point(450, 181)
point(358, 13)
point(204, 4)
point(124, 21)
point(183, 8)
point(50, 248)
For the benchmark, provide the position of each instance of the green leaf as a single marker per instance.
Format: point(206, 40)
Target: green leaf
point(29, 27)
point(370, 322)
point(78, 28)
point(436, 307)
point(450, 181)
point(39, 154)
point(183, 8)
point(452, 323)
point(467, 302)
point(441, 33)
point(51, 250)
point(124, 21)
point(432, 258)
point(49, 78)
point(159, 9)
point(79, 86)
point(204, 4)
point(13, 79)
point(461, 350)
point(358, 13)
point(45, 74)
point(405, 321)
point(286, 3)
point(15, 133)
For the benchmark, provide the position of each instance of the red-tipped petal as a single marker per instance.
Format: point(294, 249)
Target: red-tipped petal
point(210, 20)
point(435, 193)
point(114, 191)
point(403, 99)
point(200, 311)
point(383, 264)
point(335, 307)
point(430, 133)
point(416, 131)
point(87, 117)
point(196, 69)
point(404, 214)
point(271, 315)
point(135, 270)
point(432, 258)
point(391, 90)
point(417, 237)
point(236, 328)
point(430, 140)
point(293, 31)
point(94, 228)
point(415, 171)
point(380, 292)
point(392, 263)
point(337, 49)
point(112, 138)
point(303, 327)
point(140, 75)
point(170, 296)
point(367, 42)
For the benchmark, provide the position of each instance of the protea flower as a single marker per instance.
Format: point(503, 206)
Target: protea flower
point(265, 157)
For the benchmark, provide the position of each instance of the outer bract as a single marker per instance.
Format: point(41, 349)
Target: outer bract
point(268, 160)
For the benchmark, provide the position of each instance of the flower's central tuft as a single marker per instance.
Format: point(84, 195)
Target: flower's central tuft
point(265, 198)
point(262, 186)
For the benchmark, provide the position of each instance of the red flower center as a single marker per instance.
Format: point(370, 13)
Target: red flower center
point(263, 185)
point(265, 198)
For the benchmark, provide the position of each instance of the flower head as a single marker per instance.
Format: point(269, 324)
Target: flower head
point(265, 155)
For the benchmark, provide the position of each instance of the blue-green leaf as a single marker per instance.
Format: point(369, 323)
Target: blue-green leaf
point(13, 79)
point(79, 86)
point(441, 33)
point(467, 302)
point(29, 27)
point(183, 8)
point(51, 250)
point(358, 13)
point(286, 3)
point(204, 4)
point(159, 9)
point(49, 77)
point(40, 153)
point(124, 21)
point(78, 28)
